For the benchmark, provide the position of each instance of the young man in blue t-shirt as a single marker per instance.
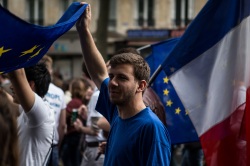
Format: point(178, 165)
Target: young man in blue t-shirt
point(137, 136)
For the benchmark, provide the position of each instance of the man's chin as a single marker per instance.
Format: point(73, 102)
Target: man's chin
point(113, 101)
point(116, 102)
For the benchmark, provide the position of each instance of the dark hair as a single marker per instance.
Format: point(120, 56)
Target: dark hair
point(152, 100)
point(9, 150)
point(41, 77)
point(141, 68)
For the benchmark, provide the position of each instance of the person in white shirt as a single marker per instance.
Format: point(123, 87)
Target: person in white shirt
point(36, 119)
point(55, 97)
point(92, 141)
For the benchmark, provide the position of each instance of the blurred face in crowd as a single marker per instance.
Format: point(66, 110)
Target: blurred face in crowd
point(88, 94)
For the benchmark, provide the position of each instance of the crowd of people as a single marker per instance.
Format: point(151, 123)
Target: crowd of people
point(108, 116)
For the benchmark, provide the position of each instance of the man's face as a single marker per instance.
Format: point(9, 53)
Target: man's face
point(122, 86)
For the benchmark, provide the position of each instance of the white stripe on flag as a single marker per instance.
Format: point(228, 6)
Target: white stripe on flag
point(212, 86)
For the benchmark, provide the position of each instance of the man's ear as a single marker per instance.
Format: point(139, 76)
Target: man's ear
point(142, 86)
point(32, 85)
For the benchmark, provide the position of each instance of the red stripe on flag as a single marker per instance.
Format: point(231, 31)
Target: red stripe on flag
point(248, 125)
point(223, 144)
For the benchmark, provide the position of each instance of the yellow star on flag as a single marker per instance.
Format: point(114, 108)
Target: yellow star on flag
point(29, 51)
point(169, 103)
point(2, 50)
point(166, 80)
point(166, 92)
point(186, 112)
point(177, 111)
point(36, 53)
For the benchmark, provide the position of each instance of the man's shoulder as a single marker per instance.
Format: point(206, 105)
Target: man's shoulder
point(42, 103)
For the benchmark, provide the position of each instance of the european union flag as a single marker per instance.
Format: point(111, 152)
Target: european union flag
point(178, 122)
point(23, 44)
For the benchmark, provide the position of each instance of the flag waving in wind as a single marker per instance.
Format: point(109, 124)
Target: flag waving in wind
point(210, 71)
point(23, 44)
point(178, 123)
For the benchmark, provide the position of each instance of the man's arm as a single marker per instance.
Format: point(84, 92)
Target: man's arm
point(103, 124)
point(92, 57)
point(22, 89)
point(87, 130)
point(62, 126)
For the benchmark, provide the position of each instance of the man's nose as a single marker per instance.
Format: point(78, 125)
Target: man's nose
point(113, 82)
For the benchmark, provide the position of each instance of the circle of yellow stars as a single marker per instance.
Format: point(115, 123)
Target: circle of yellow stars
point(169, 103)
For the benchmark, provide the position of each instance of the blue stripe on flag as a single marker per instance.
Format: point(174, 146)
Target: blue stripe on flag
point(209, 27)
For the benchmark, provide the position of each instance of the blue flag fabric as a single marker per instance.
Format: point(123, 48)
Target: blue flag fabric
point(178, 123)
point(205, 30)
point(23, 44)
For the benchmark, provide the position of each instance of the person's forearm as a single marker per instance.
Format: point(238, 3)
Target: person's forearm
point(22, 89)
point(93, 59)
point(61, 132)
point(87, 130)
point(103, 124)
point(62, 126)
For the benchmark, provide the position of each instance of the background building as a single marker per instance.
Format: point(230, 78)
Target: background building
point(133, 23)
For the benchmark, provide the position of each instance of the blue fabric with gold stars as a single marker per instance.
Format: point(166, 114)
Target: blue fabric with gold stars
point(179, 125)
point(23, 44)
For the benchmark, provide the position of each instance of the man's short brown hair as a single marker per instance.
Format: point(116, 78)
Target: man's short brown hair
point(141, 68)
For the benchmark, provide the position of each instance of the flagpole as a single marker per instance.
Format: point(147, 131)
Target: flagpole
point(143, 47)
point(154, 75)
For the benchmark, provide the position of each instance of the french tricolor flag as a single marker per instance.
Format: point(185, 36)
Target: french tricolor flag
point(210, 71)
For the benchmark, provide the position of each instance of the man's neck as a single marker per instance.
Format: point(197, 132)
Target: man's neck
point(130, 109)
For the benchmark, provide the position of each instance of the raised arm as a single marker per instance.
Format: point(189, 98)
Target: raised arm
point(23, 93)
point(62, 126)
point(92, 57)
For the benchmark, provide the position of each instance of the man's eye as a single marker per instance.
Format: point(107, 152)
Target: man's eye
point(111, 77)
point(122, 78)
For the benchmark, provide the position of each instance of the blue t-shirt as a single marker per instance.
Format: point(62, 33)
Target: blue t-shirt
point(140, 140)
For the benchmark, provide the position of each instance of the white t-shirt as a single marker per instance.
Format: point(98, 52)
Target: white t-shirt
point(35, 131)
point(93, 113)
point(55, 97)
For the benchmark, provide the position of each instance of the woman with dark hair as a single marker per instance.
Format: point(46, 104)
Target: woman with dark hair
point(8, 133)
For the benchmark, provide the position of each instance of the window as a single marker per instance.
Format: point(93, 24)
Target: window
point(146, 13)
point(4, 3)
point(35, 12)
point(112, 15)
point(65, 4)
point(183, 12)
